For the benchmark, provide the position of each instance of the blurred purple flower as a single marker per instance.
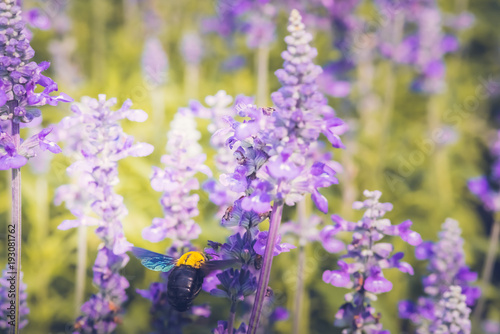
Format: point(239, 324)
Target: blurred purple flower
point(99, 142)
point(154, 63)
point(446, 268)
point(192, 48)
point(176, 181)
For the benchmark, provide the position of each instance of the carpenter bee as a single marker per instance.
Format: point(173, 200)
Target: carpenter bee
point(186, 273)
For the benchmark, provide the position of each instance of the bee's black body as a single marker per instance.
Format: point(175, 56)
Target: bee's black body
point(184, 284)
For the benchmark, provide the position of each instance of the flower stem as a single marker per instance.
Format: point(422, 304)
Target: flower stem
point(299, 291)
point(488, 267)
point(262, 74)
point(191, 81)
point(232, 314)
point(81, 267)
point(266, 267)
point(16, 225)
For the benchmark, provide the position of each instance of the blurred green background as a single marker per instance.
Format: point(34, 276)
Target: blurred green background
point(424, 179)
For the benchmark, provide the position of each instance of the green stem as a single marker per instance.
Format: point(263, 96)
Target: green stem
point(266, 267)
point(299, 292)
point(81, 267)
point(15, 267)
point(191, 81)
point(97, 41)
point(262, 75)
point(232, 315)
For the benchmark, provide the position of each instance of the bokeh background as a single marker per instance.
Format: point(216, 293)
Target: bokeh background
point(97, 47)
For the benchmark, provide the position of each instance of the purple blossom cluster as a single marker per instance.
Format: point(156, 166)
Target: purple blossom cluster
point(19, 102)
point(251, 17)
point(270, 144)
point(271, 147)
point(425, 43)
point(176, 181)
point(192, 48)
point(363, 273)
point(154, 63)
point(480, 186)
point(99, 143)
point(7, 281)
point(446, 268)
point(218, 107)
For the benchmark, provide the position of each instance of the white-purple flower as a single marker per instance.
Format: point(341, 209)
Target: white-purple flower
point(176, 181)
point(98, 145)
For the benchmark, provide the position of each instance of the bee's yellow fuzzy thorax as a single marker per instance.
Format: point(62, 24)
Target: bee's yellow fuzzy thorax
point(193, 259)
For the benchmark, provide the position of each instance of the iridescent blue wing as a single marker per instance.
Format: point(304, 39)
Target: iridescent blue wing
point(210, 266)
point(154, 261)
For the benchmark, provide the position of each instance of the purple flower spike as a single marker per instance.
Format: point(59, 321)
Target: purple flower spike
point(446, 269)
point(97, 142)
point(176, 181)
point(369, 257)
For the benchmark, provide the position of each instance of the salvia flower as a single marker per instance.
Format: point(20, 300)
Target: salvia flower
point(363, 274)
point(7, 311)
point(222, 192)
point(192, 48)
point(101, 144)
point(446, 268)
point(154, 63)
point(176, 181)
point(480, 186)
point(20, 77)
point(271, 144)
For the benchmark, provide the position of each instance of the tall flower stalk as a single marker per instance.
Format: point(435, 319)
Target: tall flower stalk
point(448, 277)
point(270, 146)
point(96, 132)
point(19, 104)
point(364, 274)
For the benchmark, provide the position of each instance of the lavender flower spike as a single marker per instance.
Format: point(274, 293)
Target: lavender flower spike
point(364, 274)
point(446, 268)
point(102, 144)
point(176, 181)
